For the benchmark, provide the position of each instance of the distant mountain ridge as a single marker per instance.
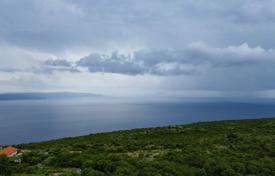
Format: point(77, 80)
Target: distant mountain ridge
point(44, 96)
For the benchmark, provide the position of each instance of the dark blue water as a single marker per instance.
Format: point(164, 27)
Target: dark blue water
point(27, 121)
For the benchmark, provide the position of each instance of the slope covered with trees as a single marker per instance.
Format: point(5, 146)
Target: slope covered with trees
point(224, 148)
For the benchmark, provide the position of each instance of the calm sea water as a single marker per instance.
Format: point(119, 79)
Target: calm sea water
point(28, 121)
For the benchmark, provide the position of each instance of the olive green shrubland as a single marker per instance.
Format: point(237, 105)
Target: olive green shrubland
point(224, 148)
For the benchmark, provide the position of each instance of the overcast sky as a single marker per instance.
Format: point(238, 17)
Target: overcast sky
point(139, 48)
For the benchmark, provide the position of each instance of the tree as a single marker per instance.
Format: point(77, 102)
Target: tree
point(5, 167)
point(104, 165)
point(149, 171)
point(91, 172)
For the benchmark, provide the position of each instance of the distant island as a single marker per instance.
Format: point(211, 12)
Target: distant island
point(223, 148)
point(44, 96)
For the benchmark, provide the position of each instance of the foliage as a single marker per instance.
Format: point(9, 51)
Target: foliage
point(225, 148)
point(5, 166)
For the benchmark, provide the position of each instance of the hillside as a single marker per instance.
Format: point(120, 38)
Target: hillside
point(224, 148)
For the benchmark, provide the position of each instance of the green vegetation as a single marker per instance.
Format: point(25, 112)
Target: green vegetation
point(225, 148)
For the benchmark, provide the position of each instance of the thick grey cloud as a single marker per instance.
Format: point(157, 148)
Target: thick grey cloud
point(197, 66)
point(52, 65)
point(194, 59)
point(65, 24)
point(113, 64)
point(141, 62)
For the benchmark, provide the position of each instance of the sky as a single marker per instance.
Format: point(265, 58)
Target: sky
point(139, 48)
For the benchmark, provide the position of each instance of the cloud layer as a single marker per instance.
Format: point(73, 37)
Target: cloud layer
point(139, 47)
point(194, 59)
point(64, 24)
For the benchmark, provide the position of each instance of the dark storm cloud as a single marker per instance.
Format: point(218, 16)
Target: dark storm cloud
point(141, 62)
point(52, 65)
point(113, 64)
point(196, 58)
point(60, 25)
point(193, 59)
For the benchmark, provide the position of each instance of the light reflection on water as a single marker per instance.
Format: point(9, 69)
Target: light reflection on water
point(27, 121)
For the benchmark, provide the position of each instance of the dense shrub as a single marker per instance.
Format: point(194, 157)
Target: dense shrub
point(228, 148)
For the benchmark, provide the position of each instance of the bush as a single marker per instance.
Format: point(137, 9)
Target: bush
point(5, 167)
point(91, 172)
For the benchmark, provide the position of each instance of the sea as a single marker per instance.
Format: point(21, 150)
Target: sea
point(26, 121)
